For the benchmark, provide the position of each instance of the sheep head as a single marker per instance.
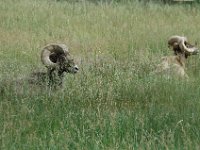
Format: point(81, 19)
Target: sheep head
point(57, 57)
point(180, 45)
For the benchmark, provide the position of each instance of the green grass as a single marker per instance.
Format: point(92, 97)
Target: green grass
point(113, 102)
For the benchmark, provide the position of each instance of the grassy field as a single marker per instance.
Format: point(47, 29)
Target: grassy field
point(113, 102)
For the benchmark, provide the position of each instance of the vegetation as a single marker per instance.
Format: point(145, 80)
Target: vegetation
point(143, 1)
point(113, 102)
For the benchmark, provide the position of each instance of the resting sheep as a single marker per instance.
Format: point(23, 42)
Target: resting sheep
point(57, 60)
point(175, 65)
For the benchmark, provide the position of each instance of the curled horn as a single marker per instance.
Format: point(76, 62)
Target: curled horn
point(51, 52)
point(174, 41)
point(181, 42)
point(183, 46)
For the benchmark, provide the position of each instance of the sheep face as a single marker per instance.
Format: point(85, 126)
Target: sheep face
point(67, 64)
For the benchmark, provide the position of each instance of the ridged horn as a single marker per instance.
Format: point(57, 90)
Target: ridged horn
point(182, 43)
point(183, 46)
point(175, 40)
point(51, 52)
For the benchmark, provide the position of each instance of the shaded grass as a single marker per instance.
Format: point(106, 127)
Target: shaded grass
point(113, 103)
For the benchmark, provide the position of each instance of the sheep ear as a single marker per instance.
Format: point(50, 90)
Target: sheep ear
point(176, 43)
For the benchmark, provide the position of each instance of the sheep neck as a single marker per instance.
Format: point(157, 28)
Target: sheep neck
point(181, 58)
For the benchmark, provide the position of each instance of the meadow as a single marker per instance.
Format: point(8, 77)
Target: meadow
point(113, 102)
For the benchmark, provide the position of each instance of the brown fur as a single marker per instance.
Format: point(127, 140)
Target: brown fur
point(172, 66)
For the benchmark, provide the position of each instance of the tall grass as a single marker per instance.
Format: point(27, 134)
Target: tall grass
point(113, 102)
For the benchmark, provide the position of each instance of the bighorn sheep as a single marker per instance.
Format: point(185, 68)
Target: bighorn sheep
point(57, 60)
point(175, 65)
